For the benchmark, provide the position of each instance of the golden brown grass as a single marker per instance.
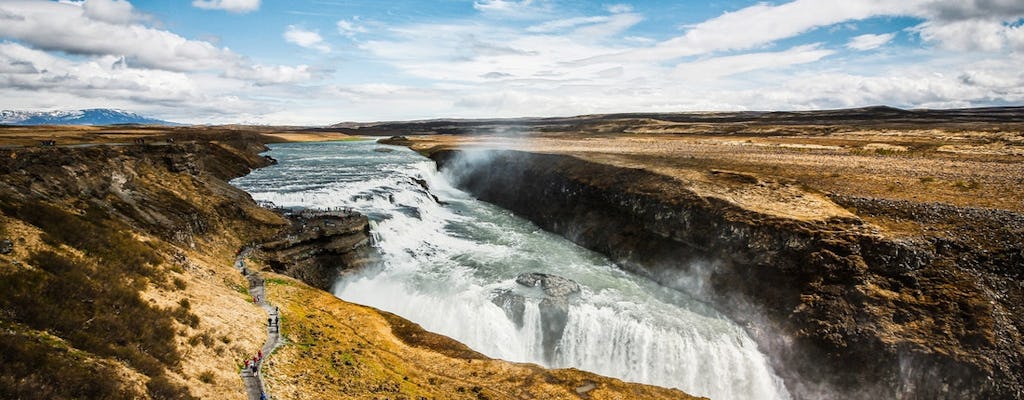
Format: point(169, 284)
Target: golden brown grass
point(793, 171)
point(339, 350)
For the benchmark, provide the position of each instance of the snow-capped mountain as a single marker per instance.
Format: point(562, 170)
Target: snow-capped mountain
point(95, 116)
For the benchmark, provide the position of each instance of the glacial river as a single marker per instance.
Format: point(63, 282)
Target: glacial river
point(446, 256)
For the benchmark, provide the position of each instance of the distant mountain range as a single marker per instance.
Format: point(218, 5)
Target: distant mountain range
point(94, 116)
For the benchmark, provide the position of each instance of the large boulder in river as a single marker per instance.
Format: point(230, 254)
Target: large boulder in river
point(554, 308)
point(514, 305)
point(553, 285)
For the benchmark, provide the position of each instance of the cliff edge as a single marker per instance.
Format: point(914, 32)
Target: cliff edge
point(844, 309)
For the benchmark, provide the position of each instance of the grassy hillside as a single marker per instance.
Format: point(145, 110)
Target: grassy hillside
point(120, 284)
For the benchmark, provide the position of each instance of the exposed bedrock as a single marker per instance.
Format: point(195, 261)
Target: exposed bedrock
point(843, 310)
point(320, 246)
point(553, 307)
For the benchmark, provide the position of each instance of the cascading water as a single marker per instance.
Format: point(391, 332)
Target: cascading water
point(451, 263)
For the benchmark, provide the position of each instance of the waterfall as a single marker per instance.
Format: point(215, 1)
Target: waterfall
point(451, 263)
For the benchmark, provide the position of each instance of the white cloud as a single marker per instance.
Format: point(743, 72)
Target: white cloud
point(72, 29)
point(121, 62)
point(524, 9)
point(99, 77)
point(751, 27)
point(501, 5)
point(870, 41)
point(717, 67)
point(306, 38)
point(973, 35)
point(955, 10)
point(112, 11)
point(490, 66)
point(973, 25)
point(763, 23)
point(350, 28)
point(46, 81)
point(615, 25)
point(619, 8)
point(567, 23)
point(235, 6)
point(273, 74)
point(538, 73)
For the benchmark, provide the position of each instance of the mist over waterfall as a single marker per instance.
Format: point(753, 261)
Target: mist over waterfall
point(477, 273)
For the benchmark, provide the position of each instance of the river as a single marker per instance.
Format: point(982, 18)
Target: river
point(446, 256)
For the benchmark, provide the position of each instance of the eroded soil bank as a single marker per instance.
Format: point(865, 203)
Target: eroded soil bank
point(845, 308)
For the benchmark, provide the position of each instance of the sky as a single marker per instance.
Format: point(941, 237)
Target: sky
point(316, 62)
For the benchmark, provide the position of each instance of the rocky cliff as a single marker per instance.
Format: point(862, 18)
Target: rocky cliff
point(118, 283)
point(318, 246)
point(843, 309)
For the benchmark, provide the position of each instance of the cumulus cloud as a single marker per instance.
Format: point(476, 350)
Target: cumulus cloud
point(113, 28)
point(972, 35)
point(235, 6)
point(112, 11)
point(870, 41)
point(973, 25)
point(956, 10)
point(306, 38)
point(100, 77)
point(72, 28)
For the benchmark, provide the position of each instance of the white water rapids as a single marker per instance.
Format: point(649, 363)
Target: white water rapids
point(443, 261)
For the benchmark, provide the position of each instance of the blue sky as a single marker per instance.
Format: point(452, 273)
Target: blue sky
point(325, 61)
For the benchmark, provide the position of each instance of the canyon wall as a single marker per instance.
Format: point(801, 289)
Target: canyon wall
point(844, 310)
point(318, 247)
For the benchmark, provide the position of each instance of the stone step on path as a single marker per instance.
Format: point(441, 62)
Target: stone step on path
point(254, 388)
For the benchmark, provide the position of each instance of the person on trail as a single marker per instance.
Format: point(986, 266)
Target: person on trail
point(260, 354)
point(270, 321)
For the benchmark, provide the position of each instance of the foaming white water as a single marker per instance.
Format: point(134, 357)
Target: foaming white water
point(444, 261)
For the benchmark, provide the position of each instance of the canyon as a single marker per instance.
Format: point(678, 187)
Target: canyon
point(870, 253)
point(119, 283)
point(864, 254)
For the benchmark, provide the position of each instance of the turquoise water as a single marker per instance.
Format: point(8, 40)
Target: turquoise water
point(446, 254)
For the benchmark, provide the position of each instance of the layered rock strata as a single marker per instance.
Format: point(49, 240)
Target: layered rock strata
point(320, 246)
point(843, 309)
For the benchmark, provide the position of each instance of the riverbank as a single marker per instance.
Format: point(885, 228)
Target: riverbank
point(120, 284)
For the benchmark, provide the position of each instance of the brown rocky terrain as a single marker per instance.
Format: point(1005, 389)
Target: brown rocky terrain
point(872, 256)
point(117, 281)
point(319, 246)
